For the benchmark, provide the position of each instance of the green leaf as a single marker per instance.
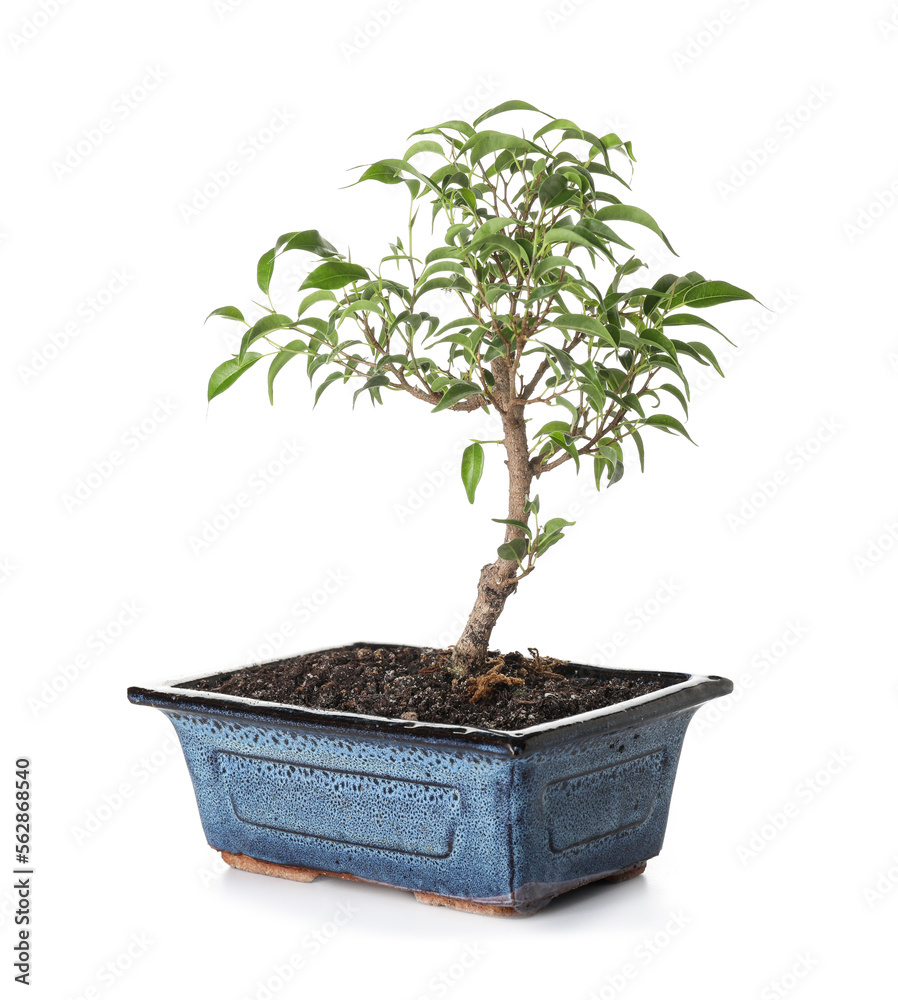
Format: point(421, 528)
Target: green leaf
point(629, 213)
point(441, 253)
point(269, 322)
point(504, 243)
point(640, 448)
point(507, 106)
point(363, 305)
point(564, 234)
point(472, 462)
point(678, 395)
point(288, 352)
point(556, 125)
point(688, 319)
point(667, 423)
point(225, 375)
point(662, 285)
point(458, 126)
point(423, 146)
point(708, 354)
point(389, 171)
point(556, 524)
point(491, 227)
point(264, 269)
point(229, 312)
point(309, 240)
point(714, 293)
point(456, 281)
point(514, 551)
point(334, 274)
point(375, 382)
point(455, 394)
point(328, 381)
point(313, 297)
point(604, 232)
point(583, 324)
point(554, 264)
point(553, 191)
point(515, 524)
point(659, 340)
point(482, 143)
point(564, 426)
point(382, 172)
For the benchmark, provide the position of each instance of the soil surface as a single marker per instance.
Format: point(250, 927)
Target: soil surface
point(413, 683)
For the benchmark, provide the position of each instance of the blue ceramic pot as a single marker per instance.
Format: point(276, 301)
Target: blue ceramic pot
point(487, 820)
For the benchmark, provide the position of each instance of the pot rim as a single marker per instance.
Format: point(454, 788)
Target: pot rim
point(687, 694)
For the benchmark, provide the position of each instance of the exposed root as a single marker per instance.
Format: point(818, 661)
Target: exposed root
point(512, 670)
point(543, 665)
point(482, 686)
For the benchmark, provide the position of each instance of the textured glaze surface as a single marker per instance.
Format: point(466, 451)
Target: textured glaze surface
point(410, 814)
point(507, 820)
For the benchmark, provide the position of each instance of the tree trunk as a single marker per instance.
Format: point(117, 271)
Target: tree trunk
point(497, 579)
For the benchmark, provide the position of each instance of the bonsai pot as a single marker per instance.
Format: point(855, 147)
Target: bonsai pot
point(492, 821)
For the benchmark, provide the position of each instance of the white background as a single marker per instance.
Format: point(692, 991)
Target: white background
point(767, 150)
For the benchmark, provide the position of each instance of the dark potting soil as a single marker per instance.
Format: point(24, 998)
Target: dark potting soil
point(408, 682)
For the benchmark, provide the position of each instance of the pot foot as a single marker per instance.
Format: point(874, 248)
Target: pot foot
point(523, 909)
point(626, 873)
point(485, 909)
point(247, 864)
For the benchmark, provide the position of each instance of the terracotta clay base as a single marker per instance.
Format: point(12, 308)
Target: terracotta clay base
point(485, 907)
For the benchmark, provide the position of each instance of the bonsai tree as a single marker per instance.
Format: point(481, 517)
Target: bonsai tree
point(573, 367)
